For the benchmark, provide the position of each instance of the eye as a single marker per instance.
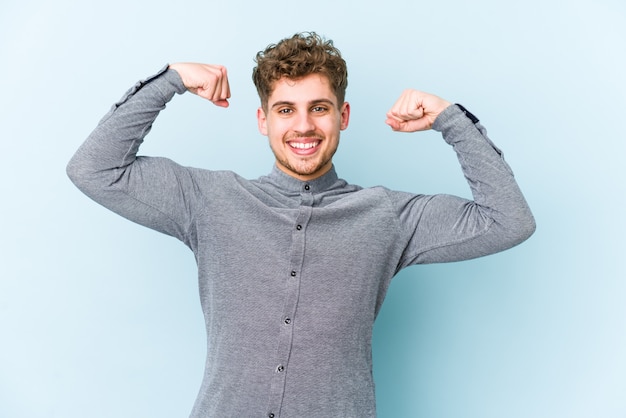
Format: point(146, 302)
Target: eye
point(319, 109)
point(285, 111)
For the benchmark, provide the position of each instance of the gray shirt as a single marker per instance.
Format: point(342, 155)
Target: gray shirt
point(292, 274)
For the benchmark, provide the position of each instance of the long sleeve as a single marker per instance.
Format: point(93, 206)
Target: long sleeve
point(444, 228)
point(150, 191)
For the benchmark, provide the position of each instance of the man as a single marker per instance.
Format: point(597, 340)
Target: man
point(294, 266)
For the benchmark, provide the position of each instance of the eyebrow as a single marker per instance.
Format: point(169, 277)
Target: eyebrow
point(312, 102)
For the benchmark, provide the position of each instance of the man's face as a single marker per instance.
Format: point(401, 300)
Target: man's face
point(302, 122)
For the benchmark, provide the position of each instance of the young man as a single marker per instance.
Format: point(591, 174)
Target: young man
point(294, 266)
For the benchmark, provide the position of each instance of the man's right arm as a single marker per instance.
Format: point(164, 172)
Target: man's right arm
point(154, 192)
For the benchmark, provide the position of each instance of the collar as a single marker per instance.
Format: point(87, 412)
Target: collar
point(293, 185)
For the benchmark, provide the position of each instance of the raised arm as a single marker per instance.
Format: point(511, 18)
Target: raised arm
point(448, 228)
point(154, 192)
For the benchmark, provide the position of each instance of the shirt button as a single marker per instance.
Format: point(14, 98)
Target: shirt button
point(280, 368)
point(299, 227)
point(270, 415)
point(307, 187)
point(287, 321)
point(293, 274)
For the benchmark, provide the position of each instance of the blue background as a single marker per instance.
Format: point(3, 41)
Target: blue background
point(100, 317)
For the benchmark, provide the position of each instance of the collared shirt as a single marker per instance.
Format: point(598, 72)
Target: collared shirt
point(292, 274)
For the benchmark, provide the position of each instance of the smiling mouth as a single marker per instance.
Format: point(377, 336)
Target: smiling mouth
point(304, 145)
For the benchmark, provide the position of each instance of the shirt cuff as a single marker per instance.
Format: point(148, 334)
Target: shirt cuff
point(452, 121)
point(166, 80)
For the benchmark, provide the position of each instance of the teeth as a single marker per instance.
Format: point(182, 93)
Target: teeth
point(307, 145)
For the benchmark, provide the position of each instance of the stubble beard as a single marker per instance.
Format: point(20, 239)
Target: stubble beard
point(306, 166)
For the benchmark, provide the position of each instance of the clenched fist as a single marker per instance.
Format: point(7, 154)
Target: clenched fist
point(415, 111)
point(206, 80)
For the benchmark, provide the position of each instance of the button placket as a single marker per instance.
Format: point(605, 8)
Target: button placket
point(292, 293)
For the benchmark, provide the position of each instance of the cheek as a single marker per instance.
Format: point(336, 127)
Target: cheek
point(275, 133)
point(275, 125)
point(332, 127)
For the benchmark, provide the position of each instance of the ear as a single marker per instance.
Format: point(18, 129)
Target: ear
point(261, 121)
point(345, 115)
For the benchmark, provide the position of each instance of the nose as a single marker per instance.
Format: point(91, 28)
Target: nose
point(304, 123)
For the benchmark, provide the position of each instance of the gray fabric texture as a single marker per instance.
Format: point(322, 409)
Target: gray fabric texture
point(292, 274)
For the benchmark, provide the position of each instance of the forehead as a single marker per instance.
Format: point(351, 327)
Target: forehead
point(307, 89)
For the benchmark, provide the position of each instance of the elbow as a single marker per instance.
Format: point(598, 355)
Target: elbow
point(528, 229)
point(82, 174)
point(522, 229)
point(71, 170)
point(75, 172)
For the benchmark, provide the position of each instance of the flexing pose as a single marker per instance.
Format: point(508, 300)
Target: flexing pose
point(293, 267)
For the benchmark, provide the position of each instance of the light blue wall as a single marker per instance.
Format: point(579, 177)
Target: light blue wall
point(100, 317)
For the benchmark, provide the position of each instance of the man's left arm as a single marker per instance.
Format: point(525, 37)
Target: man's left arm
point(448, 228)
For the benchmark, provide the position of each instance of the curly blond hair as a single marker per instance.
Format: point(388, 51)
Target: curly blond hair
point(296, 57)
